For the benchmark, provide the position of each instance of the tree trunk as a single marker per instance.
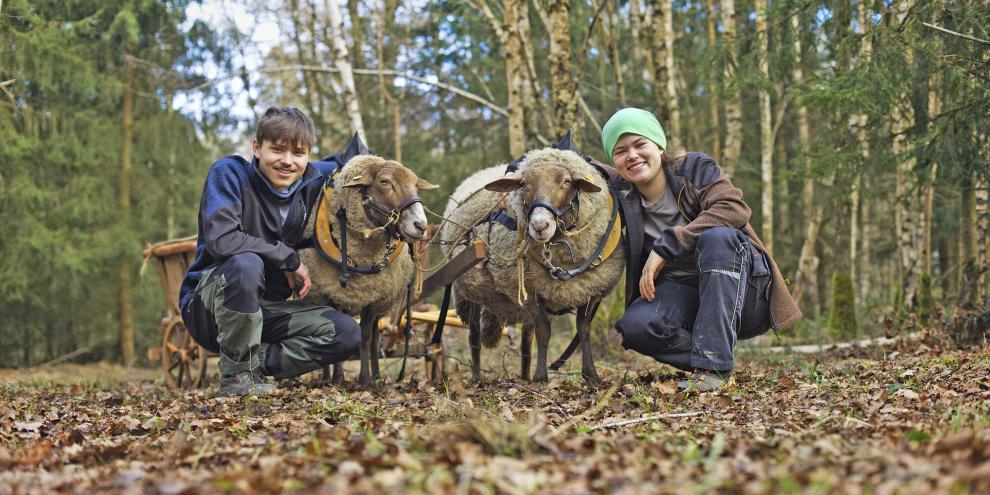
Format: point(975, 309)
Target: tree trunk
point(866, 231)
point(766, 124)
point(981, 214)
point(806, 283)
point(906, 206)
point(967, 224)
point(733, 105)
point(635, 30)
point(342, 61)
point(515, 75)
point(125, 301)
point(713, 113)
point(664, 77)
point(859, 123)
point(357, 33)
point(562, 82)
point(611, 31)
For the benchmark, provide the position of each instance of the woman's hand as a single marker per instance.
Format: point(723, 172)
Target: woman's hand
point(654, 263)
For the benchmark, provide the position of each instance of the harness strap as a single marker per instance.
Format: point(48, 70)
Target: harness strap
point(606, 246)
point(407, 331)
point(442, 319)
point(326, 246)
point(503, 218)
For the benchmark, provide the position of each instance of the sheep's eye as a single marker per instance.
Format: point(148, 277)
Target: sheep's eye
point(384, 182)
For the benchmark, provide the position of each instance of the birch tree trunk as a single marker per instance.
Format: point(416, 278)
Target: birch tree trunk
point(766, 124)
point(611, 31)
point(342, 61)
point(508, 35)
point(981, 214)
point(733, 106)
point(664, 76)
point(906, 206)
point(858, 124)
point(713, 88)
point(562, 83)
point(125, 279)
point(635, 30)
point(928, 187)
point(806, 282)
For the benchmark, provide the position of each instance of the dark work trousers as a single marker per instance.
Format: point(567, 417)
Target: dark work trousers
point(693, 323)
point(231, 314)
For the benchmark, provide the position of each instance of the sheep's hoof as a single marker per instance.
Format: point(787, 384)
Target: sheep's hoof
point(591, 378)
point(475, 377)
point(541, 377)
point(364, 382)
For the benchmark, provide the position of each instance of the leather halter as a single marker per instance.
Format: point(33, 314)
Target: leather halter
point(328, 248)
point(573, 205)
point(390, 214)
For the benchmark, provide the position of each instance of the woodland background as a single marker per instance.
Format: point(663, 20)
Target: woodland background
point(858, 130)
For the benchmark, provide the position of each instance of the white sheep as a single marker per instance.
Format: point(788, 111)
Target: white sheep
point(374, 192)
point(489, 295)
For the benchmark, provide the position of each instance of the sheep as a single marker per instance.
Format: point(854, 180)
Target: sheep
point(490, 295)
point(362, 183)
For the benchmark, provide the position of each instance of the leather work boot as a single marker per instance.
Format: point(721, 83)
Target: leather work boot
point(703, 381)
point(246, 383)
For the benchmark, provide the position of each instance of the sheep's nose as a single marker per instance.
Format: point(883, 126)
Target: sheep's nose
point(540, 225)
point(420, 225)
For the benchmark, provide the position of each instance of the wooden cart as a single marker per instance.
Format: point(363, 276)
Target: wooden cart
point(185, 362)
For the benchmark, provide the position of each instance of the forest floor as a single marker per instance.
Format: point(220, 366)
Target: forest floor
point(907, 418)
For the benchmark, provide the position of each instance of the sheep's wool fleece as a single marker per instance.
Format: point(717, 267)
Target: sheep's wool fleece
point(378, 292)
point(494, 284)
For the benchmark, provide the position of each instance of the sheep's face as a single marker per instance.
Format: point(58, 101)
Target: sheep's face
point(539, 186)
point(396, 188)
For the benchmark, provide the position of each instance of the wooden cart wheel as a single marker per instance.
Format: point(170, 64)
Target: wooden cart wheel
point(183, 360)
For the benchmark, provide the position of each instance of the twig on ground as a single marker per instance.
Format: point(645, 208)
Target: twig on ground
point(644, 419)
point(604, 401)
point(545, 397)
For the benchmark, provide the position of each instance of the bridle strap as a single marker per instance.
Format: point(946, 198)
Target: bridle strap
point(572, 203)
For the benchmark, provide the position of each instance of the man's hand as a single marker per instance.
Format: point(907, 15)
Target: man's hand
point(654, 263)
point(303, 273)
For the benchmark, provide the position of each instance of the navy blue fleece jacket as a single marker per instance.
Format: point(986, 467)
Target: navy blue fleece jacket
point(239, 213)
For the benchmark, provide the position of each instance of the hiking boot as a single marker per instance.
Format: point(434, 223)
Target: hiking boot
point(704, 381)
point(246, 383)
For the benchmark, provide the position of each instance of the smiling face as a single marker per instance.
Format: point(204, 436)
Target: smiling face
point(281, 163)
point(637, 159)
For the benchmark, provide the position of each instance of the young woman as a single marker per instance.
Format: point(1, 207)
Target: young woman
point(697, 278)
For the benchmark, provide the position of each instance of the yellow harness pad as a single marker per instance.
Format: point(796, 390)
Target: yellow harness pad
point(324, 236)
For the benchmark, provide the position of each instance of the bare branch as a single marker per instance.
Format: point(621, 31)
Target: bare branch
point(963, 36)
point(364, 72)
point(644, 419)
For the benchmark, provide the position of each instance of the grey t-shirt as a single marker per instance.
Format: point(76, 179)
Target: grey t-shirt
point(663, 215)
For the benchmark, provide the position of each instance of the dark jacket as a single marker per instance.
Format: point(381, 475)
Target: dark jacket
point(709, 199)
point(239, 213)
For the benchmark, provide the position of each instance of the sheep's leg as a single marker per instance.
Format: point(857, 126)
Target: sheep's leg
point(526, 350)
point(338, 374)
point(364, 378)
point(585, 315)
point(376, 349)
point(474, 339)
point(542, 343)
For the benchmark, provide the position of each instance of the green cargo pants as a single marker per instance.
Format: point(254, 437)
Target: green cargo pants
point(230, 315)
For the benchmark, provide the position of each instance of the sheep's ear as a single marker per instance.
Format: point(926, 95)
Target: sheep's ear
point(360, 180)
point(510, 182)
point(422, 184)
point(583, 183)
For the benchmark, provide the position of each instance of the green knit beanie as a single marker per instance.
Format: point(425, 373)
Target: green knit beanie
point(632, 121)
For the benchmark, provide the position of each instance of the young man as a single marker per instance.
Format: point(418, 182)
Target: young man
point(251, 221)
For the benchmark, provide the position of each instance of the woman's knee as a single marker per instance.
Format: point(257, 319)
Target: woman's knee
point(720, 237)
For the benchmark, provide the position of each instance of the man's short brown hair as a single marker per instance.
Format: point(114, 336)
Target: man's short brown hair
point(286, 123)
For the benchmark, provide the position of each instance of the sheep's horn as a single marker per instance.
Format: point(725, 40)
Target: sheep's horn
point(354, 148)
point(566, 143)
